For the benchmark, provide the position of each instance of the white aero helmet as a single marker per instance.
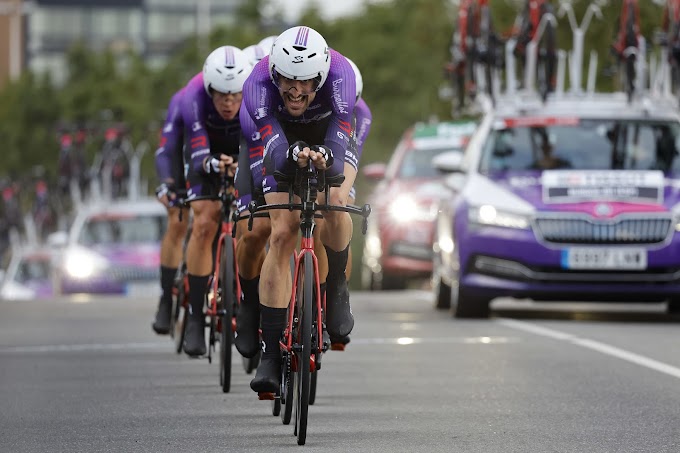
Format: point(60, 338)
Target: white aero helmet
point(255, 53)
point(225, 70)
point(266, 44)
point(300, 53)
point(359, 79)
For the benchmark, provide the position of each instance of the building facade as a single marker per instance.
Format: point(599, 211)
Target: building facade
point(12, 39)
point(154, 28)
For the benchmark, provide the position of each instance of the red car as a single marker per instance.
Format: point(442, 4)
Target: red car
point(404, 204)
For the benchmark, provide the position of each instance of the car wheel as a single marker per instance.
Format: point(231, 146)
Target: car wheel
point(465, 304)
point(442, 294)
point(368, 280)
point(392, 282)
point(673, 306)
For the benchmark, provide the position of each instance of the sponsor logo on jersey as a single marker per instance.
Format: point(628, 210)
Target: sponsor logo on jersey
point(337, 97)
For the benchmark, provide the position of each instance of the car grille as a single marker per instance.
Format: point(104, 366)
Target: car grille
point(132, 273)
point(563, 230)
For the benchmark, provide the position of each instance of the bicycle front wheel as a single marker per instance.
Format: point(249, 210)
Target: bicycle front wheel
point(228, 298)
point(302, 375)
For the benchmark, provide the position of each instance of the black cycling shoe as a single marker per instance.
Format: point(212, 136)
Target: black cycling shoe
point(161, 324)
point(194, 339)
point(339, 318)
point(247, 339)
point(268, 377)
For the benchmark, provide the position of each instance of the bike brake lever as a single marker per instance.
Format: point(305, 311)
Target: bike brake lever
point(252, 206)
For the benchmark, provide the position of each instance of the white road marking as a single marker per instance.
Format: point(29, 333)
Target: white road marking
point(84, 347)
point(593, 345)
point(166, 345)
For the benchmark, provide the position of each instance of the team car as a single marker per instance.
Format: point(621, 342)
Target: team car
point(398, 245)
point(577, 198)
point(113, 248)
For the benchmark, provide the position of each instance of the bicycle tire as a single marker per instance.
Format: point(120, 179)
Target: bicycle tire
point(312, 388)
point(630, 41)
point(547, 57)
point(302, 374)
point(181, 325)
point(286, 393)
point(228, 300)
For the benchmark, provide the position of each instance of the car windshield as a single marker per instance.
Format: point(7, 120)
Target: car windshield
point(106, 230)
point(418, 163)
point(33, 270)
point(582, 145)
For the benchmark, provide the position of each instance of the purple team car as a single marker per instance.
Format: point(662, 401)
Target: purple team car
point(577, 198)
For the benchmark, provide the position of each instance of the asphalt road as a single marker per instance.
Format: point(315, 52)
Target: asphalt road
point(88, 375)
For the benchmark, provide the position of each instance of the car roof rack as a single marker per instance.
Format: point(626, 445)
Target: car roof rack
point(653, 78)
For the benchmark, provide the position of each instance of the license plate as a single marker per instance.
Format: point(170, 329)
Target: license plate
point(603, 258)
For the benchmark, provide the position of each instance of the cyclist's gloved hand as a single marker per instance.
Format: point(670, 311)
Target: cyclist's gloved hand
point(326, 153)
point(166, 190)
point(294, 150)
point(217, 165)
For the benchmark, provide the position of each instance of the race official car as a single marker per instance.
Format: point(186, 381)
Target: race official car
point(398, 244)
point(574, 199)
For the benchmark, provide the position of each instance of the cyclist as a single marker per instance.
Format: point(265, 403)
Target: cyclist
point(170, 171)
point(266, 43)
point(250, 247)
point(305, 115)
point(363, 119)
point(210, 111)
point(255, 53)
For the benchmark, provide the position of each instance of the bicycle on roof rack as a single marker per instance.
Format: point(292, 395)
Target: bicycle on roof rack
point(627, 47)
point(476, 54)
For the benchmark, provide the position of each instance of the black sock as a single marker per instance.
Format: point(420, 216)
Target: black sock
point(273, 323)
point(322, 288)
point(167, 282)
point(337, 263)
point(197, 290)
point(250, 290)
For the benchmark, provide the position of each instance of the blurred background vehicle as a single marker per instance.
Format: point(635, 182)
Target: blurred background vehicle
point(113, 248)
point(573, 199)
point(28, 275)
point(398, 245)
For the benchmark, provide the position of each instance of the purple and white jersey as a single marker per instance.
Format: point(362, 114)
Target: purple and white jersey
point(171, 139)
point(265, 111)
point(362, 126)
point(206, 131)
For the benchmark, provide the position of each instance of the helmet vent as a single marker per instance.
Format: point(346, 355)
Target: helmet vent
point(218, 70)
point(299, 48)
point(285, 50)
point(311, 55)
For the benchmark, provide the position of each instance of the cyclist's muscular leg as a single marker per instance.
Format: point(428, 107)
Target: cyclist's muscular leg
point(171, 255)
point(250, 254)
point(275, 289)
point(335, 233)
point(199, 267)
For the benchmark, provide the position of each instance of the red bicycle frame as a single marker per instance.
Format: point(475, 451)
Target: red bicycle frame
point(306, 247)
point(225, 235)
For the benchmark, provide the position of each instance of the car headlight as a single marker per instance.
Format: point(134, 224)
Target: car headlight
point(405, 208)
point(83, 264)
point(489, 215)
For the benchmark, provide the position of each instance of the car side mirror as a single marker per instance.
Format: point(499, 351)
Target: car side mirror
point(375, 172)
point(449, 162)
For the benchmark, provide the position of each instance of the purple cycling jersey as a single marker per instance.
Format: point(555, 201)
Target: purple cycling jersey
point(171, 139)
point(206, 131)
point(362, 118)
point(265, 111)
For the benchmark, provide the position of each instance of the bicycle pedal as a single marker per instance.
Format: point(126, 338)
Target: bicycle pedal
point(266, 396)
point(337, 347)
